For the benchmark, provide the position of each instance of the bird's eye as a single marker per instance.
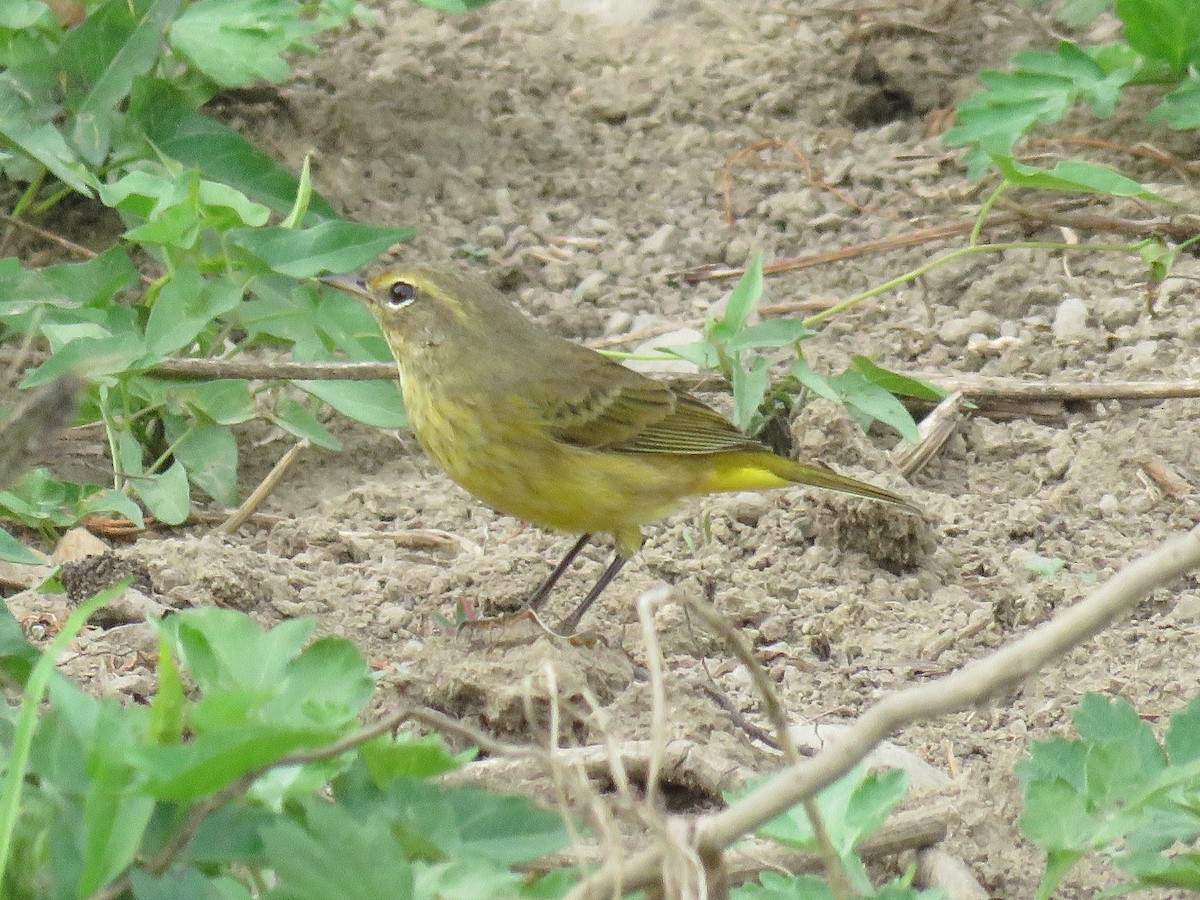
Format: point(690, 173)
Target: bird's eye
point(401, 293)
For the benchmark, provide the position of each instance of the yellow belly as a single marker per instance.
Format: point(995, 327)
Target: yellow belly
point(526, 474)
point(516, 468)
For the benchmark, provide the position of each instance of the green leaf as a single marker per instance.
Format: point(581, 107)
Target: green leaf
point(1056, 817)
point(1072, 175)
point(113, 823)
point(91, 358)
point(455, 6)
point(1178, 871)
point(44, 143)
point(328, 683)
point(336, 855)
point(17, 656)
point(700, 353)
point(1058, 864)
point(853, 807)
point(209, 453)
point(166, 495)
point(741, 302)
point(226, 401)
point(376, 403)
point(773, 333)
point(185, 306)
point(108, 500)
point(167, 705)
point(815, 382)
point(749, 389)
point(210, 761)
point(1102, 722)
point(298, 419)
point(1043, 87)
point(69, 285)
point(1180, 109)
point(336, 245)
point(1077, 13)
point(895, 383)
point(223, 649)
point(505, 830)
point(389, 757)
point(219, 152)
point(1168, 30)
point(185, 884)
point(101, 57)
point(858, 393)
point(237, 42)
point(1045, 566)
point(1183, 736)
point(12, 550)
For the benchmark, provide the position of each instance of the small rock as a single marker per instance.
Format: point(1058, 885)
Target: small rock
point(77, 544)
point(775, 628)
point(1058, 460)
point(505, 211)
point(1188, 608)
point(491, 236)
point(1123, 310)
point(748, 507)
point(1109, 505)
point(957, 330)
point(589, 287)
point(618, 323)
point(664, 240)
point(1142, 354)
point(1070, 321)
point(130, 608)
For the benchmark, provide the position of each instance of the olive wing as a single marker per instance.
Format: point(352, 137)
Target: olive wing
point(604, 405)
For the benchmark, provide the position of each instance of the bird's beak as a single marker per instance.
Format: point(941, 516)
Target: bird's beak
point(347, 284)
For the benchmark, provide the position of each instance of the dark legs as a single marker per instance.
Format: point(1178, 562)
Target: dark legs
point(571, 622)
point(536, 598)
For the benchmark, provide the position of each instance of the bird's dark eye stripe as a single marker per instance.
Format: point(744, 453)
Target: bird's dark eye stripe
point(401, 292)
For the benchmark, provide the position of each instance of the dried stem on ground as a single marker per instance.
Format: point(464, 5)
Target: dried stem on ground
point(975, 683)
point(934, 430)
point(251, 504)
point(1083, 221)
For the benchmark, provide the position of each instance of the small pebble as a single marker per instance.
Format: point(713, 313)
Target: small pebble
point(589, 287)
point(1070, 321)
point(664, 240)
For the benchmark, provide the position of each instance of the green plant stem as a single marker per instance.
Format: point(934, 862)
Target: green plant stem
point(28, 195)
point(54, 199)
point(162, 457)
point(111, 434)
point(951, 257)
point(31, 701)
point(985, 209)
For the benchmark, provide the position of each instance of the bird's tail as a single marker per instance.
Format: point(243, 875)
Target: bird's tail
point(756, 471)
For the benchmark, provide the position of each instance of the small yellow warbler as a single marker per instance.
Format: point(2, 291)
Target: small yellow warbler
point(555, 433)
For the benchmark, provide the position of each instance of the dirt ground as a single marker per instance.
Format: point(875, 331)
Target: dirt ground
point(572, 160)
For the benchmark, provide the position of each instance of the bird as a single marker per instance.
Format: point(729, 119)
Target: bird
point(552, 432)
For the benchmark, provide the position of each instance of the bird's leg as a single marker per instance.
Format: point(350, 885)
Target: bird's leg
point(537, 597)
point(571, 622)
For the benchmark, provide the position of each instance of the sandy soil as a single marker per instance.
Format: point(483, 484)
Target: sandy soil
point(573, 160)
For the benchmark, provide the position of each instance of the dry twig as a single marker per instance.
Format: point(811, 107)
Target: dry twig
point(251, 504)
